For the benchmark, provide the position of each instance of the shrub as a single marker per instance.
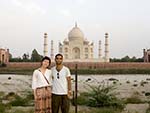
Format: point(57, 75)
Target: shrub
point(83, 99)
point(134, 99)
point(2, 94)
point(19, 101)
point(10, 96)
point(107, 110)
point(2, 108)
point(23, 101)
point(100, 96)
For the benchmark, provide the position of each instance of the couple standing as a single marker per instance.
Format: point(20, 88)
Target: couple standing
point(52, 88)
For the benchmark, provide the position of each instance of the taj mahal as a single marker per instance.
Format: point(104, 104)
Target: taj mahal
point(77, 48)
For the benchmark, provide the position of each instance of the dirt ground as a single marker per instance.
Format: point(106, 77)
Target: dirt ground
point(126, 86)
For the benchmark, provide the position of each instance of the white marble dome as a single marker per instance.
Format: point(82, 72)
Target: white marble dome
point(75, 34)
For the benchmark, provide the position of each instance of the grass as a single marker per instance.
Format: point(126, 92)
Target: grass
point(113, 71)
point(15, 101)
point(23, 71)
point(134, 99)
point(21, 110)
point(29, 71)
point(96, 110)
point(100, 96)
point(2, 108)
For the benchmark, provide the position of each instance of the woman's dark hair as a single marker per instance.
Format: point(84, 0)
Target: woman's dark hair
point(46, 58)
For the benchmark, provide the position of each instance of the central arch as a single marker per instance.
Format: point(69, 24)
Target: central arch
point(76, 53)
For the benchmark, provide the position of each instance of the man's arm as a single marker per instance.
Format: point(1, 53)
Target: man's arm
point(69, 86)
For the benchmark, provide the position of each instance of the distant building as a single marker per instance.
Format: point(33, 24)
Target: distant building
point(77, 48)
point(4, 55)
point(146, 55)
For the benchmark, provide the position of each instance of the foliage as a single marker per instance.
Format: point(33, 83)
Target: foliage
point(25, 57)
point(18, 59)
point(82, 99)
point(106, 110)
point(148, 110)
point(35, 57)
point(134, 99)
point(20, 101)
point(100, 96)
point(112, 71)
point(2, 108)
point(127, 59)
point(96, 110)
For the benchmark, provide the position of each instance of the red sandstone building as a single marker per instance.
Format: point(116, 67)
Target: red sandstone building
point(4, 55)
point(146, 55)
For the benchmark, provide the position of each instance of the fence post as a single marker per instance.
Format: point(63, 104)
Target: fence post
point(76, 87)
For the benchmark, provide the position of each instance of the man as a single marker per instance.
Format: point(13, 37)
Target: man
point(61, 89)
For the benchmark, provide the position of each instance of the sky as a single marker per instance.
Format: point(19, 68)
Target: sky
point(24, 22)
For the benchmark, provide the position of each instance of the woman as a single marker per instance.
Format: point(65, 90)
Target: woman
point(41, 85)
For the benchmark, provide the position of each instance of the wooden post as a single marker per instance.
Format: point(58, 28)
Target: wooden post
point(76, 88)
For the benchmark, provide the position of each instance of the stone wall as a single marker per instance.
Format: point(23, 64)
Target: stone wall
point(84, 65)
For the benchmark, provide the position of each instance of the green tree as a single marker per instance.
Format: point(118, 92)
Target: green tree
point(35, 56)
point(25, 57)
point(125, 59)
point(17, 59)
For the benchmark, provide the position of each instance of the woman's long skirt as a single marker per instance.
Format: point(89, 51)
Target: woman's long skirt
point(43, 100)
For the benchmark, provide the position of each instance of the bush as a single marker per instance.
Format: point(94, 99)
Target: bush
point(10, 96)
point(107, 110)
point(19, 101)
point(100, 96)
point(82, 99)
point(134, 99)
point(2, 108)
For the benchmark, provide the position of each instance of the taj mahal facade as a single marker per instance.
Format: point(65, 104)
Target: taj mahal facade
point(76, 48)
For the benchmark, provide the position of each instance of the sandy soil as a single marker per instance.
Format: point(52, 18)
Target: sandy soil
point(126, 85)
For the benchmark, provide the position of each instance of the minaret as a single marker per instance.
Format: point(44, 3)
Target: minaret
point(52, 50)
point(106, 48)
point(99, 50)
point(60, 47)
point(45, 45)
point(76, 24)
point(145, 55)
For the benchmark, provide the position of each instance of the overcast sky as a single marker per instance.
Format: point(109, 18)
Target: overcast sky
point(23, 23)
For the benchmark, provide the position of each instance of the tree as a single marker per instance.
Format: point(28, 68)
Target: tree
point(125, 59)
point(25, 57)
point(35, 56)
point(17, 59)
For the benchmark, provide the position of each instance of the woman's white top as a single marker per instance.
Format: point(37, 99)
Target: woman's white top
point(38, 79)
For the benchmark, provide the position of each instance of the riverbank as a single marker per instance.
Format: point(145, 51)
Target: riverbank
point(133, 88)
point(27, 68)
point(29, 71)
